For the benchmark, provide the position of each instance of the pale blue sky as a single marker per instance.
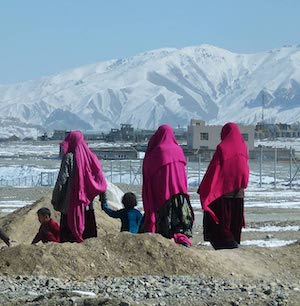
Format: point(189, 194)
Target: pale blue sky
point(42, 37)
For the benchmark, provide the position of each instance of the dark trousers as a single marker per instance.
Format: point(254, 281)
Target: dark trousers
point(226, 234)
point(90, 229)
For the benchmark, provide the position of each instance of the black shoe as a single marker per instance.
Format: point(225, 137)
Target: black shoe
point(224, 245)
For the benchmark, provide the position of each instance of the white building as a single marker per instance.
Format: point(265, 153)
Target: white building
point(201, 136)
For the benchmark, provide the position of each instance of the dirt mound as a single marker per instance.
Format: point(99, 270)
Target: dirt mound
point(22, 224)
point(124, 254)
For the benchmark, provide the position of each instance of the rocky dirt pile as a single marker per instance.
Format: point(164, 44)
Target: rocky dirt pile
point(266, 272)
point(22, 224)
point(120, 254)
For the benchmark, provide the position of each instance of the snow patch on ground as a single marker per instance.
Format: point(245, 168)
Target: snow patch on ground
point(289, 228)
point(9, 206)
point(272, 243)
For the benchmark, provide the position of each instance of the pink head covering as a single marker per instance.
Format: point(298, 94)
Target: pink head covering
point(182, 239)
point(88, 181)
point(162, 149)
point(228, 170)
point(163, 173)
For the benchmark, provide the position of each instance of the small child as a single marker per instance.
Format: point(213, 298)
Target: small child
point(130, 217)
point(49, 229)
point(4, 237)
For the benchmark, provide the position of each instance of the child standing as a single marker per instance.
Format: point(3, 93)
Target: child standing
point(49, 229)
point(130, 217)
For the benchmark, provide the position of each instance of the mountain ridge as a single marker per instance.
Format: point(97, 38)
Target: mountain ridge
point(166, 85)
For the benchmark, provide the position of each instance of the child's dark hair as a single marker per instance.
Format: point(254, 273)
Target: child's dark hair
point(129, 200)
point(44, 211)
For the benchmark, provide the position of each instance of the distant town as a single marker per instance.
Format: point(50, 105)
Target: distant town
point(197, 138)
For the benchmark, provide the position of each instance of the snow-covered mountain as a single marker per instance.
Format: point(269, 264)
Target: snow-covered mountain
point(163, 86)
point(13, 126)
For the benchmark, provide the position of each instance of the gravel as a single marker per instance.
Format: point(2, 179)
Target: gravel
point(145, 290)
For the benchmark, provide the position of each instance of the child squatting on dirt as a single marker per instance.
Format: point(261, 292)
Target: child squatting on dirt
point(49, 229)
point(130, 217)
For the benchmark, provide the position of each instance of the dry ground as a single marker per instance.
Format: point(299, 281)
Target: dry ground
point(121, 254)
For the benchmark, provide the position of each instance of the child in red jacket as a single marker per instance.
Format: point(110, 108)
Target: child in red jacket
point(49, 229)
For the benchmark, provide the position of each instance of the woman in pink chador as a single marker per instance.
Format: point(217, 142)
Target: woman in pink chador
point(80, 179)
point(165, 192)
point(222, 190)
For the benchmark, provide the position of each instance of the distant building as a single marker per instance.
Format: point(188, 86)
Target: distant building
point(127, 132)
point(180, 134)
point(94, 136)
point(43, 137)
point(59, 135)
point(202, 136)
point(28, 139)
point(116, 153)
point(276, 130)
point(143, 135)
point(13, 138)
point(113, 136)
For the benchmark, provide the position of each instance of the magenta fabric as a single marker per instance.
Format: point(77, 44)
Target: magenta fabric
point(88, 181)
point(164, 173)
point(228, 170)
point(182, 239)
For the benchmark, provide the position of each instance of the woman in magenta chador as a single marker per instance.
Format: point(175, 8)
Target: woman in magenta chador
point(222, 190)
point(79, 180)
point(165, 190)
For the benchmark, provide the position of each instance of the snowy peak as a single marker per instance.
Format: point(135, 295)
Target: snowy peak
point(163, 86)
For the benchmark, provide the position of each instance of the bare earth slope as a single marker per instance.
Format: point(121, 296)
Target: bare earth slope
point(114, 254)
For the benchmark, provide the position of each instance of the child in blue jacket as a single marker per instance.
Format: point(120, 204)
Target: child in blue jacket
point(130, 217)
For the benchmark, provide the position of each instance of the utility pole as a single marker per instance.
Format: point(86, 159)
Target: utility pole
point(263, 107)
point(154, 118)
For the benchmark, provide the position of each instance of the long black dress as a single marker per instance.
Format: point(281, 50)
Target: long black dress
point(230, 211)
point(60, 198)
